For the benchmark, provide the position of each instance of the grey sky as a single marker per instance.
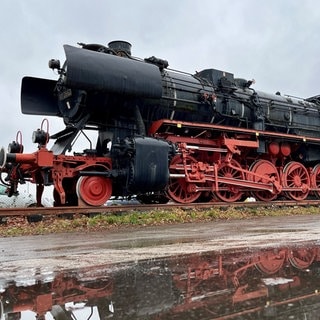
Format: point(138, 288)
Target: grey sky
point(276, 42)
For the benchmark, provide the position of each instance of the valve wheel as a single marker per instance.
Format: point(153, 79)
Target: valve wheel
point(179, 189)
point(94, 190)
point(264, 170)
point(295, 175)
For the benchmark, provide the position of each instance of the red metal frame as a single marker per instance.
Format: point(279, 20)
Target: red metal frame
point(215, 160)
point(214, 139)
point(42, 168)
point(155, 129)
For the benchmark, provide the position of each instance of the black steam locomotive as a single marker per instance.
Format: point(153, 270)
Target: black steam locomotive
point(164, 134)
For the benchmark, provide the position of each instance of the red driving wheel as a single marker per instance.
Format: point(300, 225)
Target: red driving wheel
point(270, 262)
point(302, 258)
point(315, 180)
point(94, 190)
point(263, 171)
point(295, 175)
point(179, 189)
point(230, 192)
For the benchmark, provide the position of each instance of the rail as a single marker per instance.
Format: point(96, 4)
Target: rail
point(110, 209)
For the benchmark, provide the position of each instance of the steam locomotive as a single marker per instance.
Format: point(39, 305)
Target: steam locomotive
point(163, 134)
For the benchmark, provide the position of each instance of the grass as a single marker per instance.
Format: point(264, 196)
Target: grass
point(19, 226)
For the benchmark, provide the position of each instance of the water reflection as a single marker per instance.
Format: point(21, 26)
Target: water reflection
point(279, 283)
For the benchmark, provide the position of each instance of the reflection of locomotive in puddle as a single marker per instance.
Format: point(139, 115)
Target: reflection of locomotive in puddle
point(272, 283)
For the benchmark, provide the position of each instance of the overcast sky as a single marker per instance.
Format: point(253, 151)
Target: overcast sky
point(276, 42)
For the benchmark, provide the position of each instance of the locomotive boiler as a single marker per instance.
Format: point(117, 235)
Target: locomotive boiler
point(163, 134)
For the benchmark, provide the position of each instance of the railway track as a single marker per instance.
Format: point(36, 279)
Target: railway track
point(111, 209)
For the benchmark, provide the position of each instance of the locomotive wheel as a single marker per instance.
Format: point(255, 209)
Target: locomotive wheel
point(94, 190)
point(270, 262)
point(295, 175)
point(315, 180)
point(266, 169)
point(230, 193)
point(179, 189)
point(302, 258)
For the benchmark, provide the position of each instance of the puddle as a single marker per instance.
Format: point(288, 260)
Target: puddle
point(279, 283)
